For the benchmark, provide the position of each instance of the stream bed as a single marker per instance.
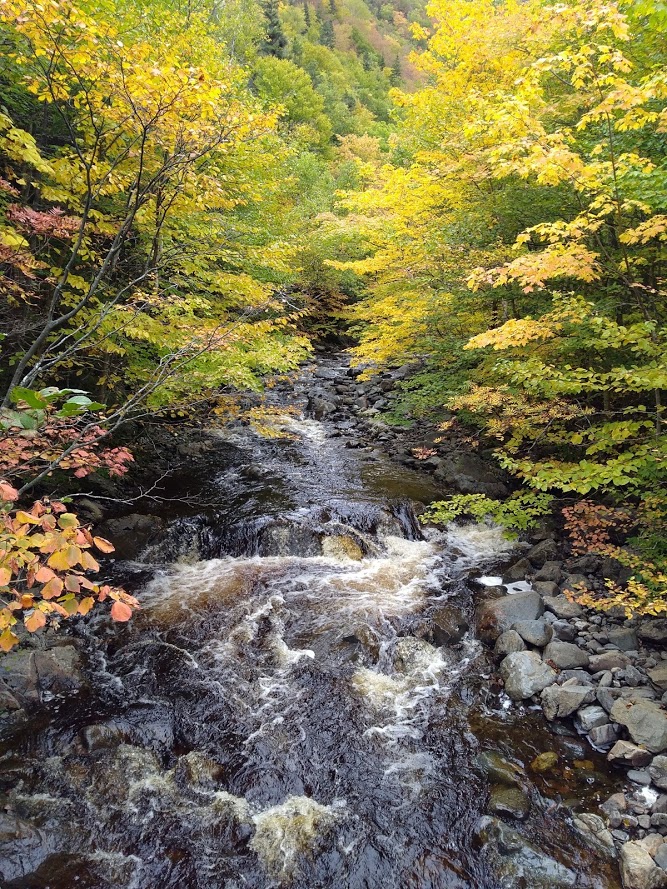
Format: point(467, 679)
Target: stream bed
point(301, 701)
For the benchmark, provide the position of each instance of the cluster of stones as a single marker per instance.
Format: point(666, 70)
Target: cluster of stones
point(607, 674)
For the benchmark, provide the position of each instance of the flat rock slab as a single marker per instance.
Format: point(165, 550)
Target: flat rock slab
point(639, 870)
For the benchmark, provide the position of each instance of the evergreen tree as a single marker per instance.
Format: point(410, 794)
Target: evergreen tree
point(327, 36)
point(275, 42)
point(396, 75)
point(306, 13)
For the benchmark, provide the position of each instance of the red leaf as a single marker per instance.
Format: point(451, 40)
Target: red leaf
point(121, 612)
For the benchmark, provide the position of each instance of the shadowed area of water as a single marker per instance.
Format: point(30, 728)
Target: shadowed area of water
point(281, 712)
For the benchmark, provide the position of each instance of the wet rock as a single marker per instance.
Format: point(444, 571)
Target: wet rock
point(658, 772)
point(449, 625)
point(645, 721)
point(342, 546)
point(27, 674)
point(509, 642)
point(101, 734)
point(658, 676)
point(596, 834)
point(624, 638)
point(525, 674)
point(608, 660)
point(638, 776)
point(494, 617)
point(517, 862)
point(9, 702)
point(198, 771)
point(652, 843)
point(565, 655)
point(512, 801)
point(545, 587)
point(591, 717)
point(131, 533)
point(638, 869)
point(534, 632)
point(559, 701)
point(626, 753)
point(562, 607)
point(653, 630)
point(544, 762)
point(550, 571)
point(498, 769)
point(22, 847)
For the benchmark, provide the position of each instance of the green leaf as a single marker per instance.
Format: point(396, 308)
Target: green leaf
point(32, 399)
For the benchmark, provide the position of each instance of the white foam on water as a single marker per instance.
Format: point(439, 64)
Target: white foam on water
point(478, 542)
point(489, 581)
point(519, 586)
point(292, 829)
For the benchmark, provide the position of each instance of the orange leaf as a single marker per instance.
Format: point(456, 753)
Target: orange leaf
point(44, 575)
point(103, 545)
point(53, 588)
point(8, 493)
point(35, 622)
point(72, 584)
point(27, 601)
point(121, 612)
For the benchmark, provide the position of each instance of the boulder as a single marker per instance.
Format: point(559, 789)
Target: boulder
point(545, 587)
point(498, 615)
point(27, 674)
point(592, 717)
point(23, 847)
point(595, 832)
point(639, 870)
point(608, 660)
point(518, 570)
point(658, 772)
point(660, 856)
point(468, 473)
point(654, 630)
point(624, 638)
point(449, 625)
point(645, 721)
point(565, 655)
point(559, 701)
point(626, 753)
point(131, 533)
point(516, 861)
point(563, 630)
point(658, 676)
point(509, 642)
point(603, 735)
point(534, 632)
point(607, 697)
point(550, 571)
point(562, 607)
point(525, 674)
point(544, 551)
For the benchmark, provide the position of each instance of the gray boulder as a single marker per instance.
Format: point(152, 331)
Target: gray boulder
point(534, 632)
point(624, 638)
point(645, 721)
point(550, 571)
point(498, 615)
point(544, 551)
point(654, 630)
point(562, 607)
point(658, 772)
point(509, 642)
point(469, 474)
point(626, 753)
point(565, 655)
point(658, 676)
point(592, 717)
point(608, 660)
point(559, 701)
point(639, 870)
point(525, 674)
point(27, 674)
point(607, 697)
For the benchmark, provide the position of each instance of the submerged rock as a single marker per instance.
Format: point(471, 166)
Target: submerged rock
point(498, 769)
point(512, 801)
point(27, 674)
point(517, 862)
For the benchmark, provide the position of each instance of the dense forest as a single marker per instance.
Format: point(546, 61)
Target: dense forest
point(193, 193)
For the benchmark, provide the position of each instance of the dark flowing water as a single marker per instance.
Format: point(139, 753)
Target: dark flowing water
point(280, 714)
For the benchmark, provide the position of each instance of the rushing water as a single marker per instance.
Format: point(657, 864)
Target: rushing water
point(276, 715)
